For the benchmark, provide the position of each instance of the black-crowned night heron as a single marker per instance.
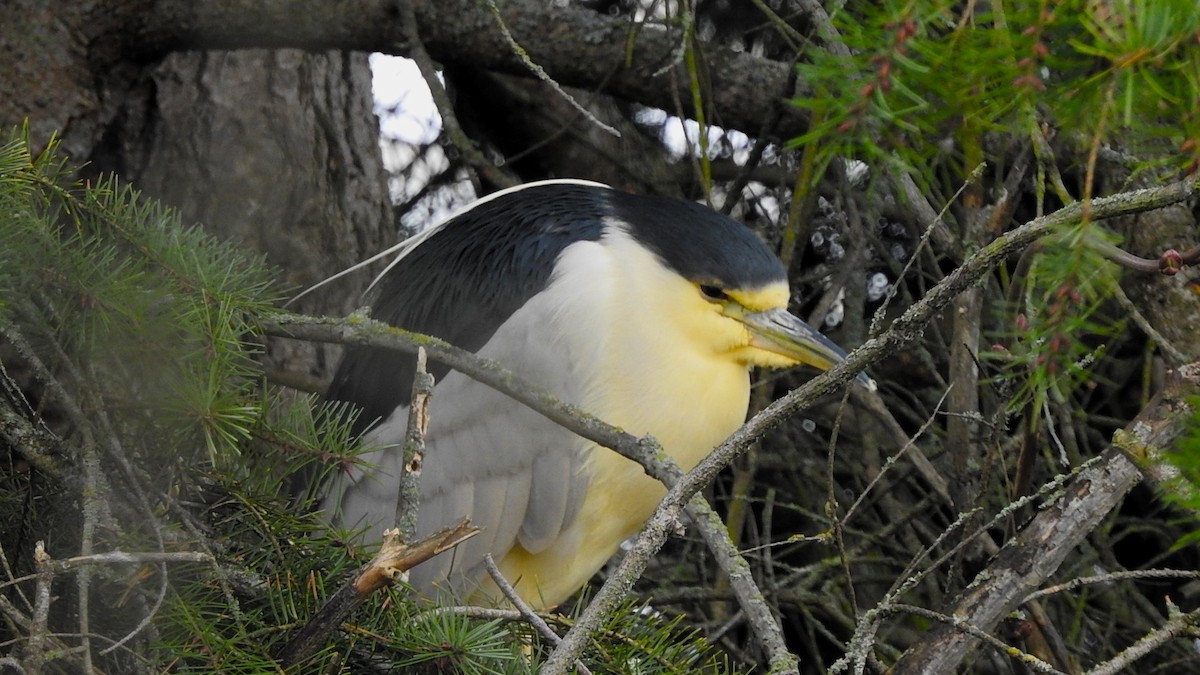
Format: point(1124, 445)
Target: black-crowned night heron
point(647, 312)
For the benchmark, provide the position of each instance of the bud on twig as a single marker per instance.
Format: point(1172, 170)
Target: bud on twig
point(1170, 262)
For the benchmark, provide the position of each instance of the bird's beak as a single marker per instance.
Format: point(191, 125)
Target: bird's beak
point(779, 332)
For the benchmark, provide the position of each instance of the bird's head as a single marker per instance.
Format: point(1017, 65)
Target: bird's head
point(717, 283)
point(759, 330)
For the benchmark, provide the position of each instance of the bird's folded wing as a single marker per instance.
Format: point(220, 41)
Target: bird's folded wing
point(511, 471)
point(489, 458)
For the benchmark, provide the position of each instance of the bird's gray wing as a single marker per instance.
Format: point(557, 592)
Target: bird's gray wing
point(510, 470)
point(489, 464)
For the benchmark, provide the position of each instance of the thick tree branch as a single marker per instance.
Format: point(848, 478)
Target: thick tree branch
point(576, 47)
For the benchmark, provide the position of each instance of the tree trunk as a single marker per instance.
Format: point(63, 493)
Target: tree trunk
point(275, 149)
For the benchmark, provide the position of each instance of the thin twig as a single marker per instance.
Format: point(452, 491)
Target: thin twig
point(1177, 625)
point(872, 402)
point(460, 139)
point(1029, 660)
point(931, 228)
point(534, 68)
point(1111, 577)
point(119, 558)
point(12, 578)
point(408, 497)
point(473, 611)
point(1177, 357)
point(688, 14)
point(838, 527)
point(527, 614)
point(910, 442)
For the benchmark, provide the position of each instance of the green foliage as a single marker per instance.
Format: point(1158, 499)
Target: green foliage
point(157, 316)
point(278, 569)
point(1185, 492)
point(936, 88)
point(643, 640)
point(460, 644)
point(926, 78)
point(1057, 331)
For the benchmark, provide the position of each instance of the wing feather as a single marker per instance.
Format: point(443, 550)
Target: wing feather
point(513, 472)
point(547, 509)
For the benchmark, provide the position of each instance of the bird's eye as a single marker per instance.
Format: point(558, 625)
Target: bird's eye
point(713, 293)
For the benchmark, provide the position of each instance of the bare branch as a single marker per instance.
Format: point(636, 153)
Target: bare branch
point(1179, 624)
point(1028, 560)
point(540, 73)
point(408, 499)
point(961, 625)
point(389, 565)
point(526, 612)
point(454, 131)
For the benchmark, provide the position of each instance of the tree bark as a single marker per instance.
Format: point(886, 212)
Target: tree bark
point(274, 149)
